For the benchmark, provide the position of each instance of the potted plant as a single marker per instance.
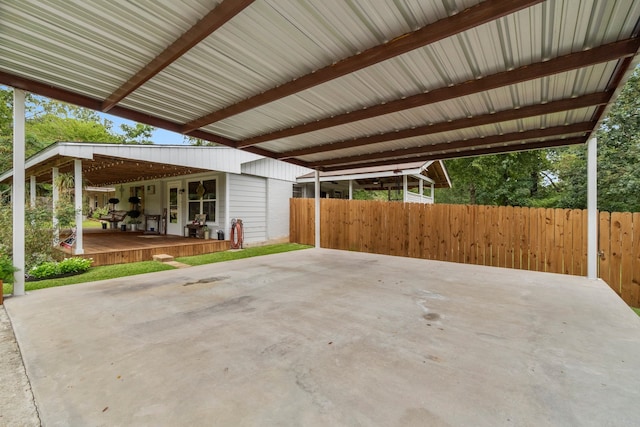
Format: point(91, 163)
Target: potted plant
point(134, 213)
point(114, 201)
point(133, 220)
point(205, 229)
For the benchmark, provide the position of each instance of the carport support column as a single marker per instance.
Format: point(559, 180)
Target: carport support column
point(317, 208)
point(350, 189)
point(18, 196)
point(55, 196)
point(77, 178)
point(405, 188)
point(32, 191)
point(592, 209)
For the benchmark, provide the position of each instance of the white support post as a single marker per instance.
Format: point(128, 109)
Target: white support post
point(227, 213)
point(317, 208)
point(77, 177)
point(592, 209)
point(350, 189)
point(405, 188)
point(18, 190)
point(55, 196)
point(421, 189)
point(32, 191)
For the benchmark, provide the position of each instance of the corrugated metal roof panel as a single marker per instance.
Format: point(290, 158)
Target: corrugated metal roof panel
point(273, 42)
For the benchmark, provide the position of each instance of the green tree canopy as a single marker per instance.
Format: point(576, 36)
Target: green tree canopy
point(558, 177)
point(49, 121)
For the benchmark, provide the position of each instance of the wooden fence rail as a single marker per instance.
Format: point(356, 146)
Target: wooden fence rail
point(538, 239)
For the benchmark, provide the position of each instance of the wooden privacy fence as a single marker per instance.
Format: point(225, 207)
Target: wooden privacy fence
point(538, 239)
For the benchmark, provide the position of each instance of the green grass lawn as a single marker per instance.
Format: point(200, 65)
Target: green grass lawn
point(244, 253)
point(122, 270)
point(91, 223)
point(637, 310)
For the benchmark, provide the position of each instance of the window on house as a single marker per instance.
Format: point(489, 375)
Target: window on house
point(202, 199)
point(297, 191)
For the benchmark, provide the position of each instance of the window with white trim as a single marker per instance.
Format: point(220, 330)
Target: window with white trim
point(202, 198)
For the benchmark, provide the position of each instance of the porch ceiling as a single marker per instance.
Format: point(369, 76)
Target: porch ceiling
point(333, 84)
point(107, 170)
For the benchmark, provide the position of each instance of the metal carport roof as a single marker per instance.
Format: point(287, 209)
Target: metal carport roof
point(333, 84)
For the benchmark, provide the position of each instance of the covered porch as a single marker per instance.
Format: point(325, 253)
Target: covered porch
point(108, 247)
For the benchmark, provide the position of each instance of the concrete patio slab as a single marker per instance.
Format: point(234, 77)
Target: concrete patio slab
point(322, 337)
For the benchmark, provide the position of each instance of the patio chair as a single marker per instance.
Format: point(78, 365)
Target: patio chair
point(114, 217)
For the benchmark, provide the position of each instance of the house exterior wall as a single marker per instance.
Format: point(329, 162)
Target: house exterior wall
point(278, 195)
point(248, 201)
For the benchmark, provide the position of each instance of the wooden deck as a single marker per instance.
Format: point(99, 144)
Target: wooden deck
point(107, 247)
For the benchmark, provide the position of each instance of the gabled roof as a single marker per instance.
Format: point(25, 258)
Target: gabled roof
point(433, 170)
point(110, 164)
point(330, 84)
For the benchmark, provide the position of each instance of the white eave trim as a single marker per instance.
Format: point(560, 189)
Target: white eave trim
point(417, 171)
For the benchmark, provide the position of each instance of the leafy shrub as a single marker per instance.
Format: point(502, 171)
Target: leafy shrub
point(98, 212)
point(6, 268)
point(38, 233)
point(74, 265)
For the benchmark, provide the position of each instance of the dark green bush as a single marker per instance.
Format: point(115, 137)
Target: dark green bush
point(6, 268)
point(38, 234)
point(66, 266)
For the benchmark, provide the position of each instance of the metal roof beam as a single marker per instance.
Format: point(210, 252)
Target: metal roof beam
point(194, 35)
point(464, 144)
point(94, 104)
point(472, 17)
point(471, 152)
point(572, 61)
point(584, 101)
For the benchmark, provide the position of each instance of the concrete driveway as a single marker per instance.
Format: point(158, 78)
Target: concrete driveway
point(321, 337)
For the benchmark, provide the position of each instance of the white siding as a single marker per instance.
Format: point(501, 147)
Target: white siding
point(248, 201)
point(278, 195)
point(221, 203)
point(274, 169)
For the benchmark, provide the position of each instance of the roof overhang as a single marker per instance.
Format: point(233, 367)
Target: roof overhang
point(111, 164)
point(431, 171)
point(334, 85)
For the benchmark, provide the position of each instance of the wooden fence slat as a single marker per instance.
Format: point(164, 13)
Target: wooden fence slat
point(604, 246)
point(626, 254)
point(567, 243)
point(577, 263)
point(534, 238)
point(549, 240)
point(635, 277)
point(616, 252)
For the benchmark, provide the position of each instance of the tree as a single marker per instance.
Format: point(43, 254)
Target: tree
point(136, 134)
point(618, 158)
point(50, 121)
point(505, 179)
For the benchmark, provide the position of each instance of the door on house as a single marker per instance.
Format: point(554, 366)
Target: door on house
point(174, 209)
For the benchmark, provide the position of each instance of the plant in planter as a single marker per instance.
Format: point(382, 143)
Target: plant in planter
point(133, 220)
point(114, 201)
point(206, 232)
point(134, 213)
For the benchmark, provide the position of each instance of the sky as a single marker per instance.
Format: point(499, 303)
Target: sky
point(160, 136)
